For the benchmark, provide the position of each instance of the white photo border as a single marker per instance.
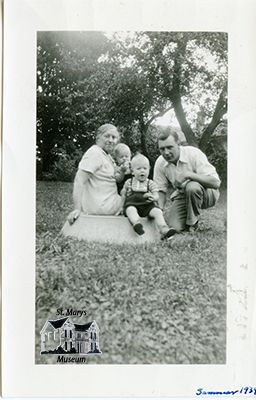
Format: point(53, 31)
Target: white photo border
point(22, 19)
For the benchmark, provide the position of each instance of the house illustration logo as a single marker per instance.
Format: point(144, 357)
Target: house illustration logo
point(63, 336)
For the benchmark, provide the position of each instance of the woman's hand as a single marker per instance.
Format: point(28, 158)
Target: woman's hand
point(72, 217)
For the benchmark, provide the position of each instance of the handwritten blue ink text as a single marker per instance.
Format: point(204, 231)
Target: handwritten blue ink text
point(243, 390)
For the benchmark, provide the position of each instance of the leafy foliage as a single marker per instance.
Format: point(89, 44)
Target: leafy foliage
point(65, 167)
point(85, 79)
point(217, 153)
point(68, 111)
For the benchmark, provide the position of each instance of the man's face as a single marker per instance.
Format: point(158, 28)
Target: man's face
point(169, 149)
point(108, 140)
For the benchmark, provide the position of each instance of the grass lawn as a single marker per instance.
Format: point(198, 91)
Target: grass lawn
point(162, 304)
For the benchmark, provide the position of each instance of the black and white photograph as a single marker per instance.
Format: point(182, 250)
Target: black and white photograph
point(128, 215)
point(131, 193)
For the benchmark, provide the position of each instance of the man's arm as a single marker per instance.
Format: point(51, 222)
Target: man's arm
point(80, 179)
point(207, 181)
point(201, 170)
point(204, 172)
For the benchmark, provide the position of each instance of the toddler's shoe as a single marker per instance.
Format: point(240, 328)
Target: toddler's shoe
point(167, 233)
point(138, 228)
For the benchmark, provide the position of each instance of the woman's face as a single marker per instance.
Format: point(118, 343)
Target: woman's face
point(108, 140)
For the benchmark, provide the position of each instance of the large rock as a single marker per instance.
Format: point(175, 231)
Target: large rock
point(115, 229)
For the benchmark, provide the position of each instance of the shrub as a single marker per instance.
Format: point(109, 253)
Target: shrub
point(64, 169)
point(217, 155)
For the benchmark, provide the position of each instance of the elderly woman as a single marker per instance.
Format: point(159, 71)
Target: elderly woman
point(95, 190)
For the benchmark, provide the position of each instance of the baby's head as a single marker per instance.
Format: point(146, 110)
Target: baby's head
point(140, 167)
point(122, 153)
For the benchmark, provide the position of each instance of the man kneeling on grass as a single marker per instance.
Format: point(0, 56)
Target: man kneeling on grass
point(140, 196)
point(193, 180)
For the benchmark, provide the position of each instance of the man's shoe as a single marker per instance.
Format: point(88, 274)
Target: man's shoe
point(192, 228)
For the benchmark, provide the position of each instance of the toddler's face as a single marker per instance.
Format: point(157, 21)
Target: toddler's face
point(141, 170)
point(123, 157)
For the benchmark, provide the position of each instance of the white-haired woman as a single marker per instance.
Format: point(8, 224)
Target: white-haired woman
point(95, 190)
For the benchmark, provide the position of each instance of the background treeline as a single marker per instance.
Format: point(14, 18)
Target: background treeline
point(85, 79)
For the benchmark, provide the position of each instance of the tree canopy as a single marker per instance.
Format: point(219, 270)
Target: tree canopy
point(85, 79)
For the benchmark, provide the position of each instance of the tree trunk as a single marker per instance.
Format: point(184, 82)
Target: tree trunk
point(47, 157)
point(143, 130)
point(181, 117)
point(220, 110)
point(175, 94)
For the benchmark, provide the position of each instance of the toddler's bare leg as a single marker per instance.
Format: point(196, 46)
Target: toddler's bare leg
point(164, 229)
point(157, 214)
point(132, 215)
point(134, 219)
